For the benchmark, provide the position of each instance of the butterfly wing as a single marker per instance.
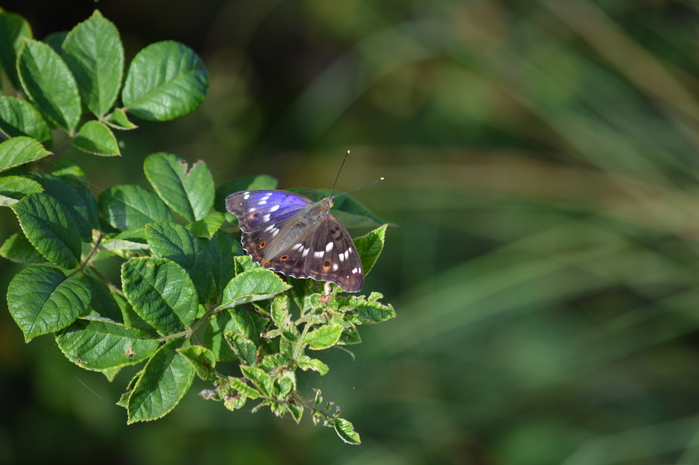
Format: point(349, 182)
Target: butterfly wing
point(333, 256)
point(313, 244)
point(258, 209)
point(262, 215)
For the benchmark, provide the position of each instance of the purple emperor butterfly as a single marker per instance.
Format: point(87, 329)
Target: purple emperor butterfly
point(295, 236)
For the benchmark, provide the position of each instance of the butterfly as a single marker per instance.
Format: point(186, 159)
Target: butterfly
point(296, 236)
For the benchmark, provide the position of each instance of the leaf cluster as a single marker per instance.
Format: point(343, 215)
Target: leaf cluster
point(186, 302)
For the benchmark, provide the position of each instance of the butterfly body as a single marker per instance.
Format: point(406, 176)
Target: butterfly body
point(296, 236)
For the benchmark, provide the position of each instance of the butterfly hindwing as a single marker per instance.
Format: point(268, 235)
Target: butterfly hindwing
point(333, 256)
point(289, 261)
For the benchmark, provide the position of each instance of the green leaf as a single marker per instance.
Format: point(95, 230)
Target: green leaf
point(131, 318)
point(176, 243)
point(20, 150)
point(188, 191)
point(214, 338)
point(279, 311)
point(18, 249)
point(350, 336)
point(370, 246)
point(365, 311)
point(261, 181)
point(21, 118)
point(42, 300)
point(243, 388)
point(234, 402)
point(95, 137)
point(161, 292)
point(296, 412)
point(259, 378)
point(103, 303)
point(307, 363)
point(99, 345)
point(247, 323)
point(55, 40)
point(49, 83)
point(95, 55)
point(165, 80)
point(282, 386)
point(123, 244)
point(15, 188)
point(129, 206)
point(13, 28)
point(49, 227)
point(124, 399)
point(345, 430)
point(222, 249)
point(202, 359)
point(277, 362)
point(110, 373)
point(323, 337)
point(252, 285)
point(207, 226)
point(243, 348)
point(68, 170)
point(233, 321)
point(164, 381)
point(244, 263)
point(118, 120)
point(78, 201)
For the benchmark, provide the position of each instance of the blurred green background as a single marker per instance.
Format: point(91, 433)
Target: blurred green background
point(541, 161)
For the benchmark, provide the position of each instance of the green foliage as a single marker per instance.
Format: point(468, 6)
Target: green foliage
point(179, 283)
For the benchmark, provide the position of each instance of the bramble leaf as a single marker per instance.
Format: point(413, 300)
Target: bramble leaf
point(251, 285)
point(202, 359)
point(323, 337)
point(96, 138)
point(129, 206)
point(165, 80)
point(94, 53)
point(174, 242)
point(13, 28)
point(161, 292)
point(42, 300)
point(20, 118)
point(187, 190)
point(370, 246)
point(15, 188)
point(78, 201)
point(18, 249)
point(101, 344)
point(20, 150)
point(49, 227)
point(49, 83)
point(161, 385)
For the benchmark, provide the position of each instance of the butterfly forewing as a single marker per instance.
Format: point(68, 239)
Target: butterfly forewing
point(258, 209)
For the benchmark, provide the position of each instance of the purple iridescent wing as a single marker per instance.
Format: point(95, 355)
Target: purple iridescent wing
point(258, 209)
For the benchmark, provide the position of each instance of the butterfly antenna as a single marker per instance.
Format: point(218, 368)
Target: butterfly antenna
point(349, 192)
point(340, 170)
